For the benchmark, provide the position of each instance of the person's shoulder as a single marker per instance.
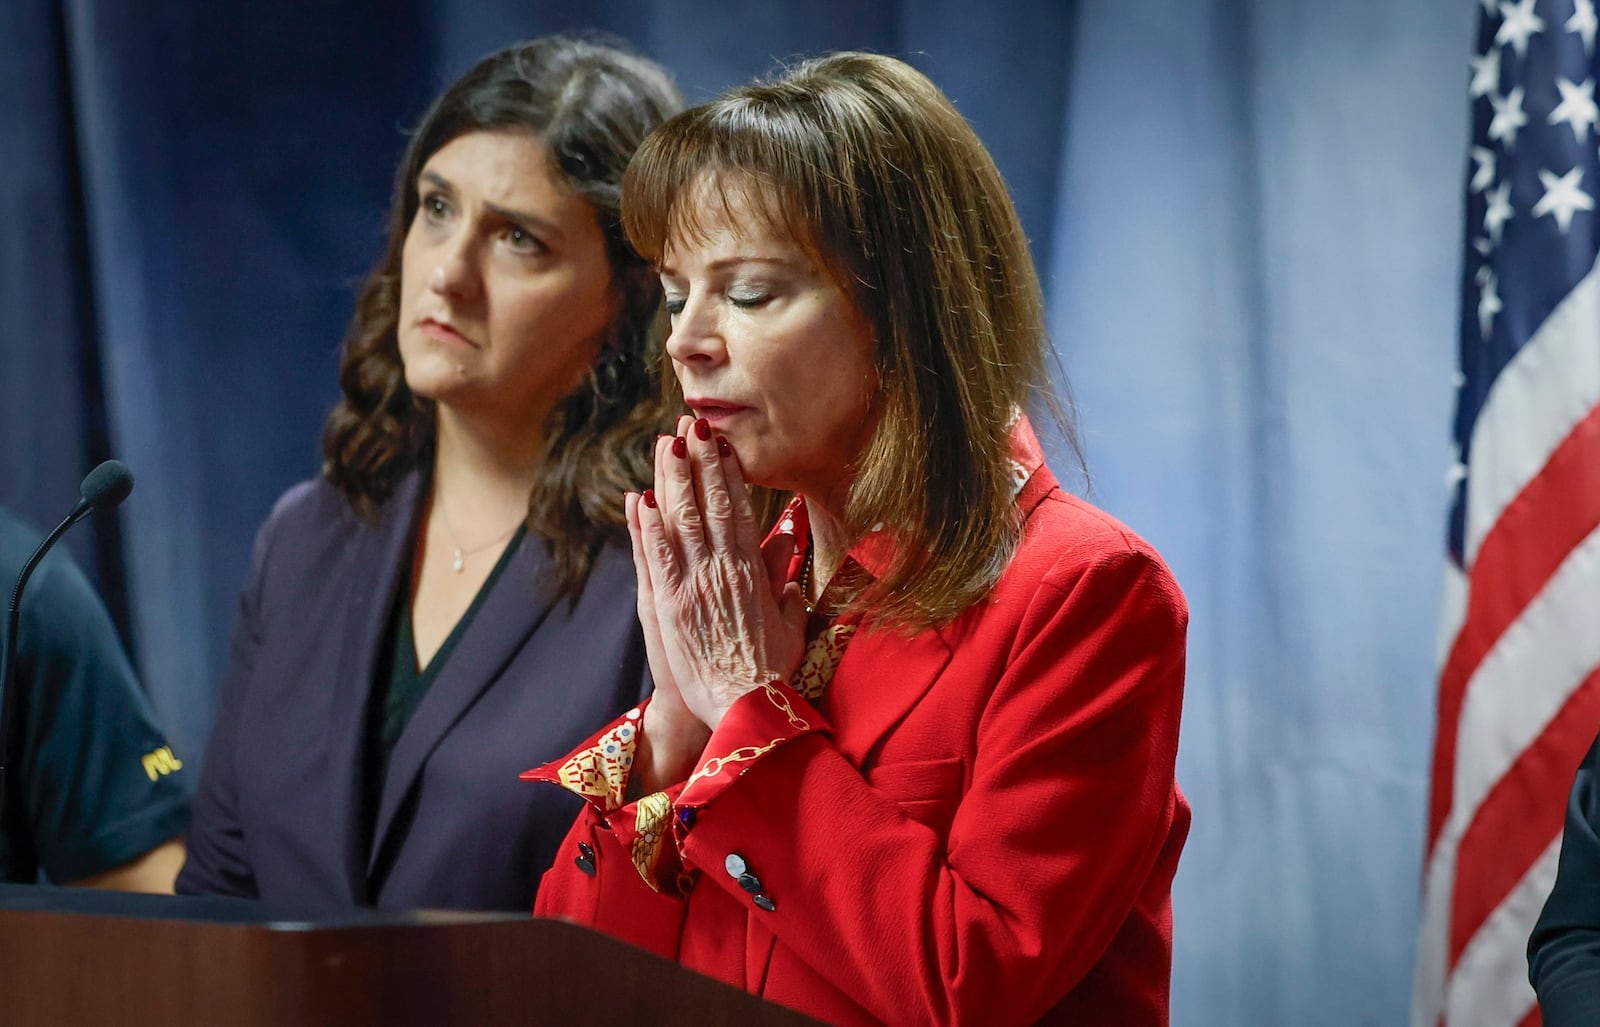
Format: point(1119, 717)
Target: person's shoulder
point(309, 523)
point(17, 542)
point(1072, 525)
point(309, 503)
point(312, 510)
point(1067, 539)
point(62, 610)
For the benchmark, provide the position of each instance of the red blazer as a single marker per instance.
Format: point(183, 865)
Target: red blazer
point(977, 824)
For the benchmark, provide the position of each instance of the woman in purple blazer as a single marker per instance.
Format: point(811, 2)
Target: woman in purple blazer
point(452, 600)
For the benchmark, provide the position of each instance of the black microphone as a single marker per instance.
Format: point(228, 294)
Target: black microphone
point(102, 488)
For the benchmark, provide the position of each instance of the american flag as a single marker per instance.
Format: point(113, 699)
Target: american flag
point(1519, 680)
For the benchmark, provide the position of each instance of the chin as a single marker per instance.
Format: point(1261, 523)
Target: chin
point(763, 476)
point(427, 381)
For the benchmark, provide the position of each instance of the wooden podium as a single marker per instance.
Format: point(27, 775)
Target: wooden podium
point(71, 956)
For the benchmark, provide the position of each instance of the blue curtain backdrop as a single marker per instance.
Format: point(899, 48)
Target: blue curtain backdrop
point(1248, 216)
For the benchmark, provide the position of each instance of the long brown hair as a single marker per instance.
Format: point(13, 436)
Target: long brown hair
point(863, 161)
point(591, 103)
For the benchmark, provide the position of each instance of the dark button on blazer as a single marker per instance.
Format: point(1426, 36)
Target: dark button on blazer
point(278, 815)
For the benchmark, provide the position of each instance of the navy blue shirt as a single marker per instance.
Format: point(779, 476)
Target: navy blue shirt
point(92, 782)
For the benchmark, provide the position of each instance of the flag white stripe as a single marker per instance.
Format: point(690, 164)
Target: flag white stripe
point(1433, 938)
point(1541, 658)
point(1490, 985)
point(1550, 385)
point(1427, 992)
point(1452, 612)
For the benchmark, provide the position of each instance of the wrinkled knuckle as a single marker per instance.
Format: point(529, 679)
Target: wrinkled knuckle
point(719, 504)
point(661, 553)
point(688, 512)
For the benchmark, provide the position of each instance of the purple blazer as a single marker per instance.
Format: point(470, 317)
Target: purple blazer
point(279, 811)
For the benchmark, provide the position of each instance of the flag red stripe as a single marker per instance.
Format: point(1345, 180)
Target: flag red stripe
point(1521, 815)
point(1535, 532)
point(1533, 1019)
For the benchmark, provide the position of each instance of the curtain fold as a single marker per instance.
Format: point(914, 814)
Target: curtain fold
point(1254, 286)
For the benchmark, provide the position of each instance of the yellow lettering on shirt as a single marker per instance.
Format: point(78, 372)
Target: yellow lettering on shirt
point(160, 763)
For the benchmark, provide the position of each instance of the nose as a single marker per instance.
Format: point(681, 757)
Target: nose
point(455, 275)
point(696, 336)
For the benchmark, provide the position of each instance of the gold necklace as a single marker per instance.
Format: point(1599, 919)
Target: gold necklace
point(458, 559)
point(805, 581)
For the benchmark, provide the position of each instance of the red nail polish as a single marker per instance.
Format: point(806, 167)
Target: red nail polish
point(702, 428)
point(724, 447)
point(649, 497)
point(680, 448)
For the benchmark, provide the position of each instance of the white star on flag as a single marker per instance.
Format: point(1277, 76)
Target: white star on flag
point(1485, 74)
point(1577, 107)
point(1488, 305)
point(1483, 174)
point(1584, 23)
point(1520, 25)
point(1562, 197)
point(1508, 117)
point(1457, 472)
point(1498, 212)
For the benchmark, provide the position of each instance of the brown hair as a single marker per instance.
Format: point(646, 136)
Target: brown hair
point(591, 104)
point(863, 161)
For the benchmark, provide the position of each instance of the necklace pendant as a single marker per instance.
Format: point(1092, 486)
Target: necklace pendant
point(458, 562)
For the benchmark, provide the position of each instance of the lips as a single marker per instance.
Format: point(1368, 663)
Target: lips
point(714, 410)
point(442, 331)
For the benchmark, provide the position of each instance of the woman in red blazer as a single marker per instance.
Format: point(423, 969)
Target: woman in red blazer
point(910, 759)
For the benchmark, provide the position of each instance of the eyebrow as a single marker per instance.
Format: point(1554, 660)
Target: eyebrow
point(544, 226)
point(723, 263)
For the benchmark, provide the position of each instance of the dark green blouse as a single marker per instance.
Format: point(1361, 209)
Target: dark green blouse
point(400, 684)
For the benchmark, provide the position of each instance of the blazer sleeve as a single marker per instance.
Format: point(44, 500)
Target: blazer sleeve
point(1564, 950)
point(218, 860)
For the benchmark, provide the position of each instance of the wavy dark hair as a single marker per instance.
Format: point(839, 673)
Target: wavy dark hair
point(591, 103)
point(863, 161)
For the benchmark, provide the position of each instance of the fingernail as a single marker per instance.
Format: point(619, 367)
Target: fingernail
point(680, 448)
point(702, 428)
point(649, 497)
point(723, 446)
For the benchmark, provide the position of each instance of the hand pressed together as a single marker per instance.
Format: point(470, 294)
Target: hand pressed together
point(719, 620)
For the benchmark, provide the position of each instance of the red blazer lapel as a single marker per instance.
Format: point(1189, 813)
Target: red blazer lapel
point(881, 677)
